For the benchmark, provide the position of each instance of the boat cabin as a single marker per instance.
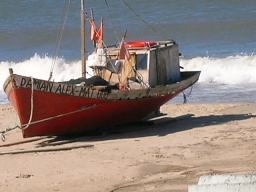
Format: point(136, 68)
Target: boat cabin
point(149, 64)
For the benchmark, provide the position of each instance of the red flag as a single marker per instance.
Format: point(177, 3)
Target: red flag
point(124, 53)
point(99, 36)
point(93, 30)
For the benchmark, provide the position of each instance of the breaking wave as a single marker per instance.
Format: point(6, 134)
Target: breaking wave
point(232, 70)
point(39, 67)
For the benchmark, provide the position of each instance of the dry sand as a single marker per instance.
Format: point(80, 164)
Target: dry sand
point(167, 155)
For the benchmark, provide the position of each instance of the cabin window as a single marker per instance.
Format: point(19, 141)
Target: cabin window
point(141, 61)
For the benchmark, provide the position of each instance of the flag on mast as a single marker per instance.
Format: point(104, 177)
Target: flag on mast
point(99, 35)
point(93, 30)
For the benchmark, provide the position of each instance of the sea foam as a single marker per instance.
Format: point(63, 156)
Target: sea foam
point(39, 67)
point(232, 70)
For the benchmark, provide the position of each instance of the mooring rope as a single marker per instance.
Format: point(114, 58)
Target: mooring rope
point(30, 122)
point(58, 116)
point(185, 96)
point(3, 133)
point(31, 104)
point(59, 36)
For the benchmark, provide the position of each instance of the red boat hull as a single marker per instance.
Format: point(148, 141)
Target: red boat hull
point(100, 114)
point(60, 114)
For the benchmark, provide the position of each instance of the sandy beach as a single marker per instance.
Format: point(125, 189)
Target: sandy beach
point(166, 154)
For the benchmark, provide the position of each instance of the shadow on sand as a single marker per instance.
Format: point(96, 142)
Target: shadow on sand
point(156, 127)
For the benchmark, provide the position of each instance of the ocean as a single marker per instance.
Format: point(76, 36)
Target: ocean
point(216, 37)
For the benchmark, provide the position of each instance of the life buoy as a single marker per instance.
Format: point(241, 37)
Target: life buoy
point(139, 44)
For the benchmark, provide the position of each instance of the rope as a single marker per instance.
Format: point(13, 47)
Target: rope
point(30, 122)
point(31, 104)
point(59, 36)
point(24, 126)
point(157, 31)
point(185, 96)
point(140, 78)
point(103, 42)
point(138, 16)
point(58, 116)
point(111, 21)
point(3, 133)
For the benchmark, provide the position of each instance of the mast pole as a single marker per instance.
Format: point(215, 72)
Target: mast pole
point(83, 39)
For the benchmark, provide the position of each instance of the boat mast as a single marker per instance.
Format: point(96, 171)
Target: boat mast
point(83, 39)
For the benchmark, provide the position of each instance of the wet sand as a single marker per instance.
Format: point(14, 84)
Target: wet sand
point(164, 155)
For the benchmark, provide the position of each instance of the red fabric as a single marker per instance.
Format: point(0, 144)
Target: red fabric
point(124, 53)
point(93, 31)
point(99, 36)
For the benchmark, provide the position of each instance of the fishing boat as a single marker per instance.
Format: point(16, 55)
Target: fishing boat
point(130, 82)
